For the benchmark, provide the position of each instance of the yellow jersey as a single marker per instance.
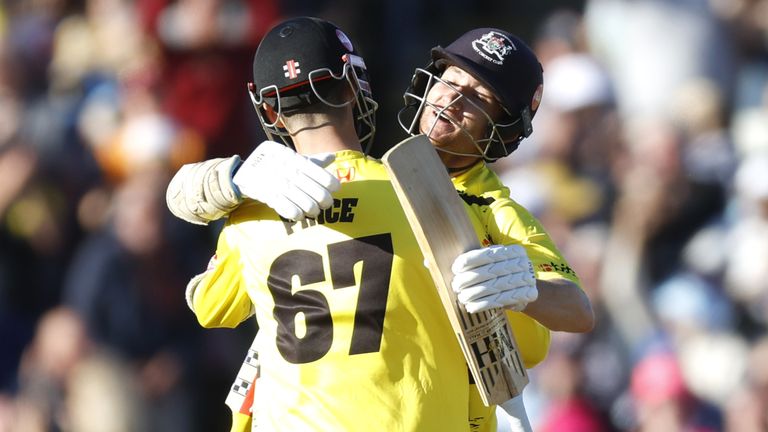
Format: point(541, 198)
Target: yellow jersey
point(352, 333)
point(499, 220)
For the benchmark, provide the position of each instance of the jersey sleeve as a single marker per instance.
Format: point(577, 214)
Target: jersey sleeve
point(511, 223)
point(532, 337)
point(220, 297)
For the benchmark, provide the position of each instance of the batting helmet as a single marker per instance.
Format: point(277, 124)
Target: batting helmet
point(303, 61)
point(500, 61)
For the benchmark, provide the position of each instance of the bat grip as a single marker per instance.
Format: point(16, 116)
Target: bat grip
point(518, 419)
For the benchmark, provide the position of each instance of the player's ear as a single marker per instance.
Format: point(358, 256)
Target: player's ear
point(272, 116)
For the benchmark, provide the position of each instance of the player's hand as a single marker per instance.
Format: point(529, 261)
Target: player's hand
point(295, 186)
point(492, 277)
point(203, 192)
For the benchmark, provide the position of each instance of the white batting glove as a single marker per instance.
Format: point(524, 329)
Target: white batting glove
point(295, 186)
point(492, 277)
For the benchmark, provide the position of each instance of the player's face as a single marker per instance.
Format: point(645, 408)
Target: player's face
point(457, 112)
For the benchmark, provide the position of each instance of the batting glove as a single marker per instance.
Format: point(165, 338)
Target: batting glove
point(492, 277)
point(295, 186)
point(203, 192)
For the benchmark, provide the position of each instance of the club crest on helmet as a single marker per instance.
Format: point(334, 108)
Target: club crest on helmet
point(500, 61)
point(493, 47)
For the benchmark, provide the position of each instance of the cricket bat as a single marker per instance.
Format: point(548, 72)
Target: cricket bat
point(443, 230)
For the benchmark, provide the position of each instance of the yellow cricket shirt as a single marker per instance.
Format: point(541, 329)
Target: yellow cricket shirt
point(502, 221)
point(352, 334)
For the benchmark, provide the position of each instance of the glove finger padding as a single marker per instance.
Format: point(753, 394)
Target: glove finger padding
point(292, 184)
point(176, 199)
point(479, 265)
point(286, 208)
point(317, 192)
point(515, 300)
point(483, 256)
point(495, 286)
point(203, 192)
point(220, 192)
point(497, 276)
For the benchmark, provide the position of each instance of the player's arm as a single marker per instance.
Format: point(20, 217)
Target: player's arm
point(533, 338)
point(218, 296)
point(561, 306)
point(218, 301)
point(295, 186)
point(494, 277)
point(503, 276)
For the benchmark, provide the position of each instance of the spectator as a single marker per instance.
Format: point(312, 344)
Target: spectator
point(663, 400)
point(206, 47)
point(124, 280)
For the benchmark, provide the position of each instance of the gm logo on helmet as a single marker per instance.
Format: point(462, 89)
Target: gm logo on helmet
point(493, 47)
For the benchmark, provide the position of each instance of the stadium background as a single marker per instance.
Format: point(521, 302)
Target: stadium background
point(648, 165)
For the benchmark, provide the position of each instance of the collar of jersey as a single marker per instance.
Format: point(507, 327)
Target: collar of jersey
point(478, 180)
point(462, 180)
point(344, 155)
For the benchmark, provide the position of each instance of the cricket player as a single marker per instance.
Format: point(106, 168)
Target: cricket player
point(352, 334)
point(476, 100)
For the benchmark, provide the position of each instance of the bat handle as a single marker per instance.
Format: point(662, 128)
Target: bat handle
point(518, 419)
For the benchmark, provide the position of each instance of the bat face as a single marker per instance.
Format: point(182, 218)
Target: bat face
point(443, 230)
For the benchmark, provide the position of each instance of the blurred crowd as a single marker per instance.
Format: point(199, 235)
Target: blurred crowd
point(648, 165)
point(100, 102)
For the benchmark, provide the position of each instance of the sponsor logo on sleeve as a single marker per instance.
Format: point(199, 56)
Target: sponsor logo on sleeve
point(556, 267)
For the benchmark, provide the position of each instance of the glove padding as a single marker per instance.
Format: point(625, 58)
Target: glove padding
point(295, 186)
point(203, 192)
point(492, 277)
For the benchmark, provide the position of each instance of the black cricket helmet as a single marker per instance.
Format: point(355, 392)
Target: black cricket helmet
point(500, 61)
point(304, 61)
